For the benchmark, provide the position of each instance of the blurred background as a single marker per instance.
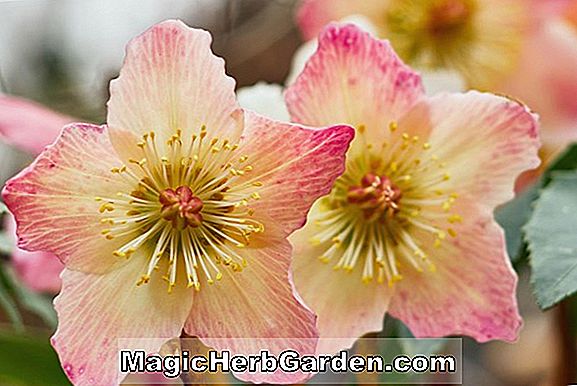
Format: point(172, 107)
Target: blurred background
point(63, 53)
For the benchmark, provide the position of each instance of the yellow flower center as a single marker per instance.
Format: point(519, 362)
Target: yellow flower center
point(189, 205)
point(389, 212)
point(479, 39)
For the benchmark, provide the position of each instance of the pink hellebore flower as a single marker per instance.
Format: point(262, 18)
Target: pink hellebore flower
point(31, 127)
point(409, 227)
point(523, 48)
point(182, 189)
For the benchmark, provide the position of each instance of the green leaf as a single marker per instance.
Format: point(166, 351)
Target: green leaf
point(5, 244)
point(565, 162)
point(512, 216)
point(7, 302)
point(26, 360)
point(552, 240)
point(39, 304)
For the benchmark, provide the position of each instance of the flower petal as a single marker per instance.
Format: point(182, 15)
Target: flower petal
point(28, 125)
point(40, 271)
point(546, 80)
point(353, 79)
point(483, 140)
point(54, 200)
point(94, 311)
point(313, 15)
point(171, 80)
point(307, 49)
point(258, 304)
point(346, 307)
point(472, 291)
point(295, 165)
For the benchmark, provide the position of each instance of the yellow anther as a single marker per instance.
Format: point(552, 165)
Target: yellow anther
point(218, 276)
point(432, 268)
point(446, 177)
point(393, 126)
point(257, 183)
point(437, 243)
point(426, 146)
point(314, 241)
point(248, 168)
point(324, 259)
point(405, 136)
point(143, 280)
point(255, 196)
point(243, 158)
point(454, 218)
point(394, 166)
point(452, 232)
point(106, 207)
point(361, 128)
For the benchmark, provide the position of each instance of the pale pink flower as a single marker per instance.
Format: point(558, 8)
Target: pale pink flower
point(175, 215)
point(30, 127)
point(523, 48)
point(408, 229)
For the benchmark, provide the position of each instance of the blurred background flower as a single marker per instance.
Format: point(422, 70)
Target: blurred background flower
point(62, 54)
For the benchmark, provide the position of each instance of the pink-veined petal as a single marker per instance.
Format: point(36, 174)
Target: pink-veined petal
point(472, 291)
point(55, 202)
point(95, 311)
point(170, 81)
point(354, 79)
point(295, 165)
point(258, 304)
point(483, 141)
point(29, 125)
point(346, 307)
point(313, 15)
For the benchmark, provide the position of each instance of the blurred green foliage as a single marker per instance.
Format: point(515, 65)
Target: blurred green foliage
point(29, 360)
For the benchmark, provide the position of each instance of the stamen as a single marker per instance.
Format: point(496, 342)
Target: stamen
point(392, 212)
point(185, 207)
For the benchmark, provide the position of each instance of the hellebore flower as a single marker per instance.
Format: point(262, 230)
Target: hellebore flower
point(523, 48)
point(182, 189)
point(30, 127)
point(409, 227)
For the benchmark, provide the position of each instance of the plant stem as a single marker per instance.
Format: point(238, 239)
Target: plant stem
point(565, 372)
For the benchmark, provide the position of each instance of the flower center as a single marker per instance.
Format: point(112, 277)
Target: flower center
point(389, 211)
point(189, 210)
point(376, 195)
point(449, 16)
point(181, 207)
point(430, 32)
